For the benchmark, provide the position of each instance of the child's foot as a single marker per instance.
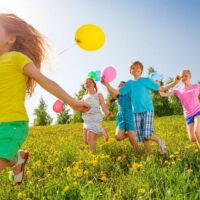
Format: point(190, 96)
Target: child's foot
point(105, 134)
point(162, 146)
point(19, 167)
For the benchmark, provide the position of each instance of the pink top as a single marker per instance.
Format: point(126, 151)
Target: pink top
point(189, 97)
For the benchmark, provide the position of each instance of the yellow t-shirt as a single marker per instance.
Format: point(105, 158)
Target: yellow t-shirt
point(13, 87)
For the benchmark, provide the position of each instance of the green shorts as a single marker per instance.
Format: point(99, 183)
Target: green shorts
point(12, 136)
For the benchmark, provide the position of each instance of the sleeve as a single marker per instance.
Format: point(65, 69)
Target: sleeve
point(22, 60)
point(125, 89)
point(152, 85)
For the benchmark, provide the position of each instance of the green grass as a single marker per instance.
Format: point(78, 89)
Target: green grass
point(61, 167)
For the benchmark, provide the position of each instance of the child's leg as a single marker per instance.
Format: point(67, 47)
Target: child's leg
point(105, 134)
point(148, 131)
point(5, 163)
point(120, 135)
point(197, 129)
point(91, 139)
point(132, 139)
point(147, 146)
point(85, 136)
point(190, 131)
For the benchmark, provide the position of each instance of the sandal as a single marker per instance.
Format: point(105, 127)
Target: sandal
point(20, 161)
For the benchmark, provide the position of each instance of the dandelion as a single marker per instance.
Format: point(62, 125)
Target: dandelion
point(79, 174)
point(103, 178)
point(136, 165)
point(20, 195)
point(189, 171)
point(141, 190)
point(90, 182)
point(196, 150)
point(172, 156)
point(66, 189)
point(68, 170)
point(166, 162)
point(176, 152)
point(93, 162)
point(86, 172)
point(75, 183)
point(37, 164)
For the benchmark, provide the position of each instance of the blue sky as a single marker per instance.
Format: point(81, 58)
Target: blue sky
point(160, 33)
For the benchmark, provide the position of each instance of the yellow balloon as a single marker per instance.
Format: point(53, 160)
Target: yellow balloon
point(90, 37)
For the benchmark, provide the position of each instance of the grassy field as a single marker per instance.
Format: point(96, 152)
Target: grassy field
point(61, 167)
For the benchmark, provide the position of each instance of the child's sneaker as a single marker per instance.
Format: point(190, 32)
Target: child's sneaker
point(162, 146)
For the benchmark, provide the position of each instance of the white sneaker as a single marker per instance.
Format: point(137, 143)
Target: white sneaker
point(162, 146)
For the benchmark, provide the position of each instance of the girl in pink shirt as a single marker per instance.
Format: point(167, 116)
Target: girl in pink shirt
point(189, 98)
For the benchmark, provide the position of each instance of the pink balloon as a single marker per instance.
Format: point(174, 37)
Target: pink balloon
point(109, 74)
point(58, 106)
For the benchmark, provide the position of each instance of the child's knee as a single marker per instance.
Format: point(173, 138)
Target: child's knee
point(192, 139)
point(197, 133)
point(118, 138)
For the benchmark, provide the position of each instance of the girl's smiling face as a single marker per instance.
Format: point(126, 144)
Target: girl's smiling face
point(89, 83)
point(185, 76)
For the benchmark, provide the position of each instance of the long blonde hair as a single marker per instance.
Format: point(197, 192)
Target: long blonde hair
point(28, 41)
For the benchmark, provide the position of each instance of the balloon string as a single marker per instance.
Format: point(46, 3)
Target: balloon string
point(67, 49)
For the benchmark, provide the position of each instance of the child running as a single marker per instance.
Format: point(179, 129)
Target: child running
point(22, 49)
point(92, 126)
point(124, 119)
point(188, 95)
point(139, 92)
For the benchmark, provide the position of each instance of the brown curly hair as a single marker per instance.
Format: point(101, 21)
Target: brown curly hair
point(28, 41)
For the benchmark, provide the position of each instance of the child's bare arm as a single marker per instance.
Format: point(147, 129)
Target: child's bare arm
point(31, 71)
point(168, 94)
point(113, 92)
point(103, 105)
point(170, 85)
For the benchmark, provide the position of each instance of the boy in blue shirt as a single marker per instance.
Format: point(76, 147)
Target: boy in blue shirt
point(139, 91)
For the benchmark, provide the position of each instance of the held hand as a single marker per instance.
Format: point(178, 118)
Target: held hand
point(162, 94)
point(158, 82)
point(177, 79)
point(104, 83)
point(81, 106)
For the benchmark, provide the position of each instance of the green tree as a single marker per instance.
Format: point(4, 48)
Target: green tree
point(77, 116)
point(64, 117)
point(42, 117)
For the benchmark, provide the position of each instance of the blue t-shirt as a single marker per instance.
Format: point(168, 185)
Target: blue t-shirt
point(140, 92)
point(124, 103)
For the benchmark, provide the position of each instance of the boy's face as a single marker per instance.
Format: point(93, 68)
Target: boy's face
point(136, 70)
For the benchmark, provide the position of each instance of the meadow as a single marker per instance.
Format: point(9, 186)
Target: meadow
point(61, 167)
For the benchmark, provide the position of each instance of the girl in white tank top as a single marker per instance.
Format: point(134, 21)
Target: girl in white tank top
point(92, 126)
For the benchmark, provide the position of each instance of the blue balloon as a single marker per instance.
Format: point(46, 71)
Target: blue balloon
point(155, 76)
point(98, 75)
